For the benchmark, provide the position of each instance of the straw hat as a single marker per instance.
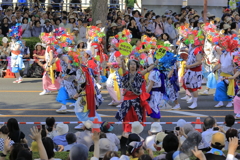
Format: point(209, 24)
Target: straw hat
point(113, 25)
point(226, 26)
point(98, 22)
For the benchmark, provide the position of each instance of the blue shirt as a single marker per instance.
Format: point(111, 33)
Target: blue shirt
point(60, 140)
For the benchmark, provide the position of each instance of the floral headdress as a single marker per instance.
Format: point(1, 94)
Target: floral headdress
point(95, 33)
point(16, 31)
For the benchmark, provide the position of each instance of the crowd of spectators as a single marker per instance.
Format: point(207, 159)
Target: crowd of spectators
point(181, 143)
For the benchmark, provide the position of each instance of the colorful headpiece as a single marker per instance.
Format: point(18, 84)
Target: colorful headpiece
point(95, 33)
point(16, 31)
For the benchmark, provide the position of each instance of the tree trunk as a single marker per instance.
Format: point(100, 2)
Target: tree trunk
point(205, 11)
point(99, 11)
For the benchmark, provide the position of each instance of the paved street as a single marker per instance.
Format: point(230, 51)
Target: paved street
point(22, 101)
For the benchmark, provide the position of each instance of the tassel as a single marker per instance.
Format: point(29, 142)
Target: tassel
point(182, 69)
point(120, 71)
point(146, 77)
point(52, 74)
point(116, 87)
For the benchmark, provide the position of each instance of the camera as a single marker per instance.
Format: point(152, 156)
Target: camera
point(215, 128)
point(177, 128)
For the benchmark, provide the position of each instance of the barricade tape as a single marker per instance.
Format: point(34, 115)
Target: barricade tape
point(31, 60)
point(78, 122)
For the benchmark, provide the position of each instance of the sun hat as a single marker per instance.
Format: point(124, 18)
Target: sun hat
point(88, 124)
point(181, 122)
point(156, 127)
point(137, 127)
point(75, 29)
point(113, 25)
point(62, 128)
point(159, 138)
point(226, 26)
point(80, 41)
point(218, 139)
point(78, 150)
point(71, 17)
point(105, 145)
point(38, 44)
point(98, 22)
point(47, 21)
point(5, 40)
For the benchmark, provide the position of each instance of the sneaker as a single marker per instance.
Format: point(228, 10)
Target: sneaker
point(44, 92)
point(237, 116)
point(72, 105)
point(111, 103)
point(185, 98)
point(193, 106)
point(229, 105)
point(220, 104)
point(20, 81)
point(79, 127)
point(204, 92)
point(99, 86)
point(119, 106)
point(16, 81)
point(63, 109)
point(190, 100)
point(176, 107)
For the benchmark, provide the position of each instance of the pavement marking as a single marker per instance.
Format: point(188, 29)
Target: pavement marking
point(101, 116)
point(187, 113)
point(49, 110)
point(11, 91)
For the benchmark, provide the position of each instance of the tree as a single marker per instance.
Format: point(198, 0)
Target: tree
point(99, 11)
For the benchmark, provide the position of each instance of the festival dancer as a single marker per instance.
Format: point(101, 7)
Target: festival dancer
point(193, 75)
point(15, 46)
point(113, 82)
point(49, 81)
point(135, 95)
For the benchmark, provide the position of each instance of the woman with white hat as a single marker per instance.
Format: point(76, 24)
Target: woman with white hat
point(4, 53)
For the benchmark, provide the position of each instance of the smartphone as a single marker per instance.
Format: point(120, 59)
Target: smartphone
point(215, 128)
point(177, 128)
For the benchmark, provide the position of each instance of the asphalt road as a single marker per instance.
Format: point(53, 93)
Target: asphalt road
point(22, 101)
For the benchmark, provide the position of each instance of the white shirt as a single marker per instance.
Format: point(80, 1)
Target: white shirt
point(113, 138)
point(207, 135)
point(150, 142)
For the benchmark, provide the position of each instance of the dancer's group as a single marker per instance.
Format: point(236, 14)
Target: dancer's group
point(140, 79)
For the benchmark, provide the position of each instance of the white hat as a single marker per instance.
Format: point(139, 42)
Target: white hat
point(159, 138)
point(226, 26)
point(137, 127)
point(181, 122)
point(123, 157)
point(113, 25)
point(88, 124)
point(1, 9)
point(200, 21)
point(105, 145)
point(5, 40)
point(62, 128)
point(75, 29)
point(89, 53)
point(98, 22)
point(156, 127)
point(153, 17)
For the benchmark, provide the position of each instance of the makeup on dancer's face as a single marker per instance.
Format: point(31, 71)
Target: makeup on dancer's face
point(133, 65)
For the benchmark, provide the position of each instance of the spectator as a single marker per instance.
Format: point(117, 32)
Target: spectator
point(62, 130)
point(65, 24)
point(105, 145)
point(136, 15)
point(126, 19)
point(72, 140)
point(26, 55)
point(1, 35)
point(4, 53)
point(112, 31)
point(158, 27)
point(49, 147)
point(158, 141)
point(217, 144)
point(13, 21)
point(75, 35)
point(134, 28)
point(170, 145)
point(72, 21)
point(137, 128)
point(231, 133)
point(164, 37)
point(4, 135)
point(108, 128)
point(36, 29)
point(57, 22)
point(52, 132)
point(47, 28)
point(150, 140)
point(26, 27)
point(83, 32)
point(79, 23)
point(18, 16)
point(5, 26)
point(8, 14)
point(99, 23)
point(135, 150)
point(234, 29)
point(14, 132)
point(120, 24)
point(170, 30)
point(209, 124)
point(85, 137)
point(229, 122)
point(79, 150)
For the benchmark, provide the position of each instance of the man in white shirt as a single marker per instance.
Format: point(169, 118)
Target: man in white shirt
point(83, 32)
point(19, 16)
point(209, 124)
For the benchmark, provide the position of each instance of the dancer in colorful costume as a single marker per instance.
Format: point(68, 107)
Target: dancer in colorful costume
point(49, 81)
point(17, 64)
point(193, 75)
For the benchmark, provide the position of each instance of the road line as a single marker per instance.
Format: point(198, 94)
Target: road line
point(187, 113)
point(11, 91)
point(102, 116)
